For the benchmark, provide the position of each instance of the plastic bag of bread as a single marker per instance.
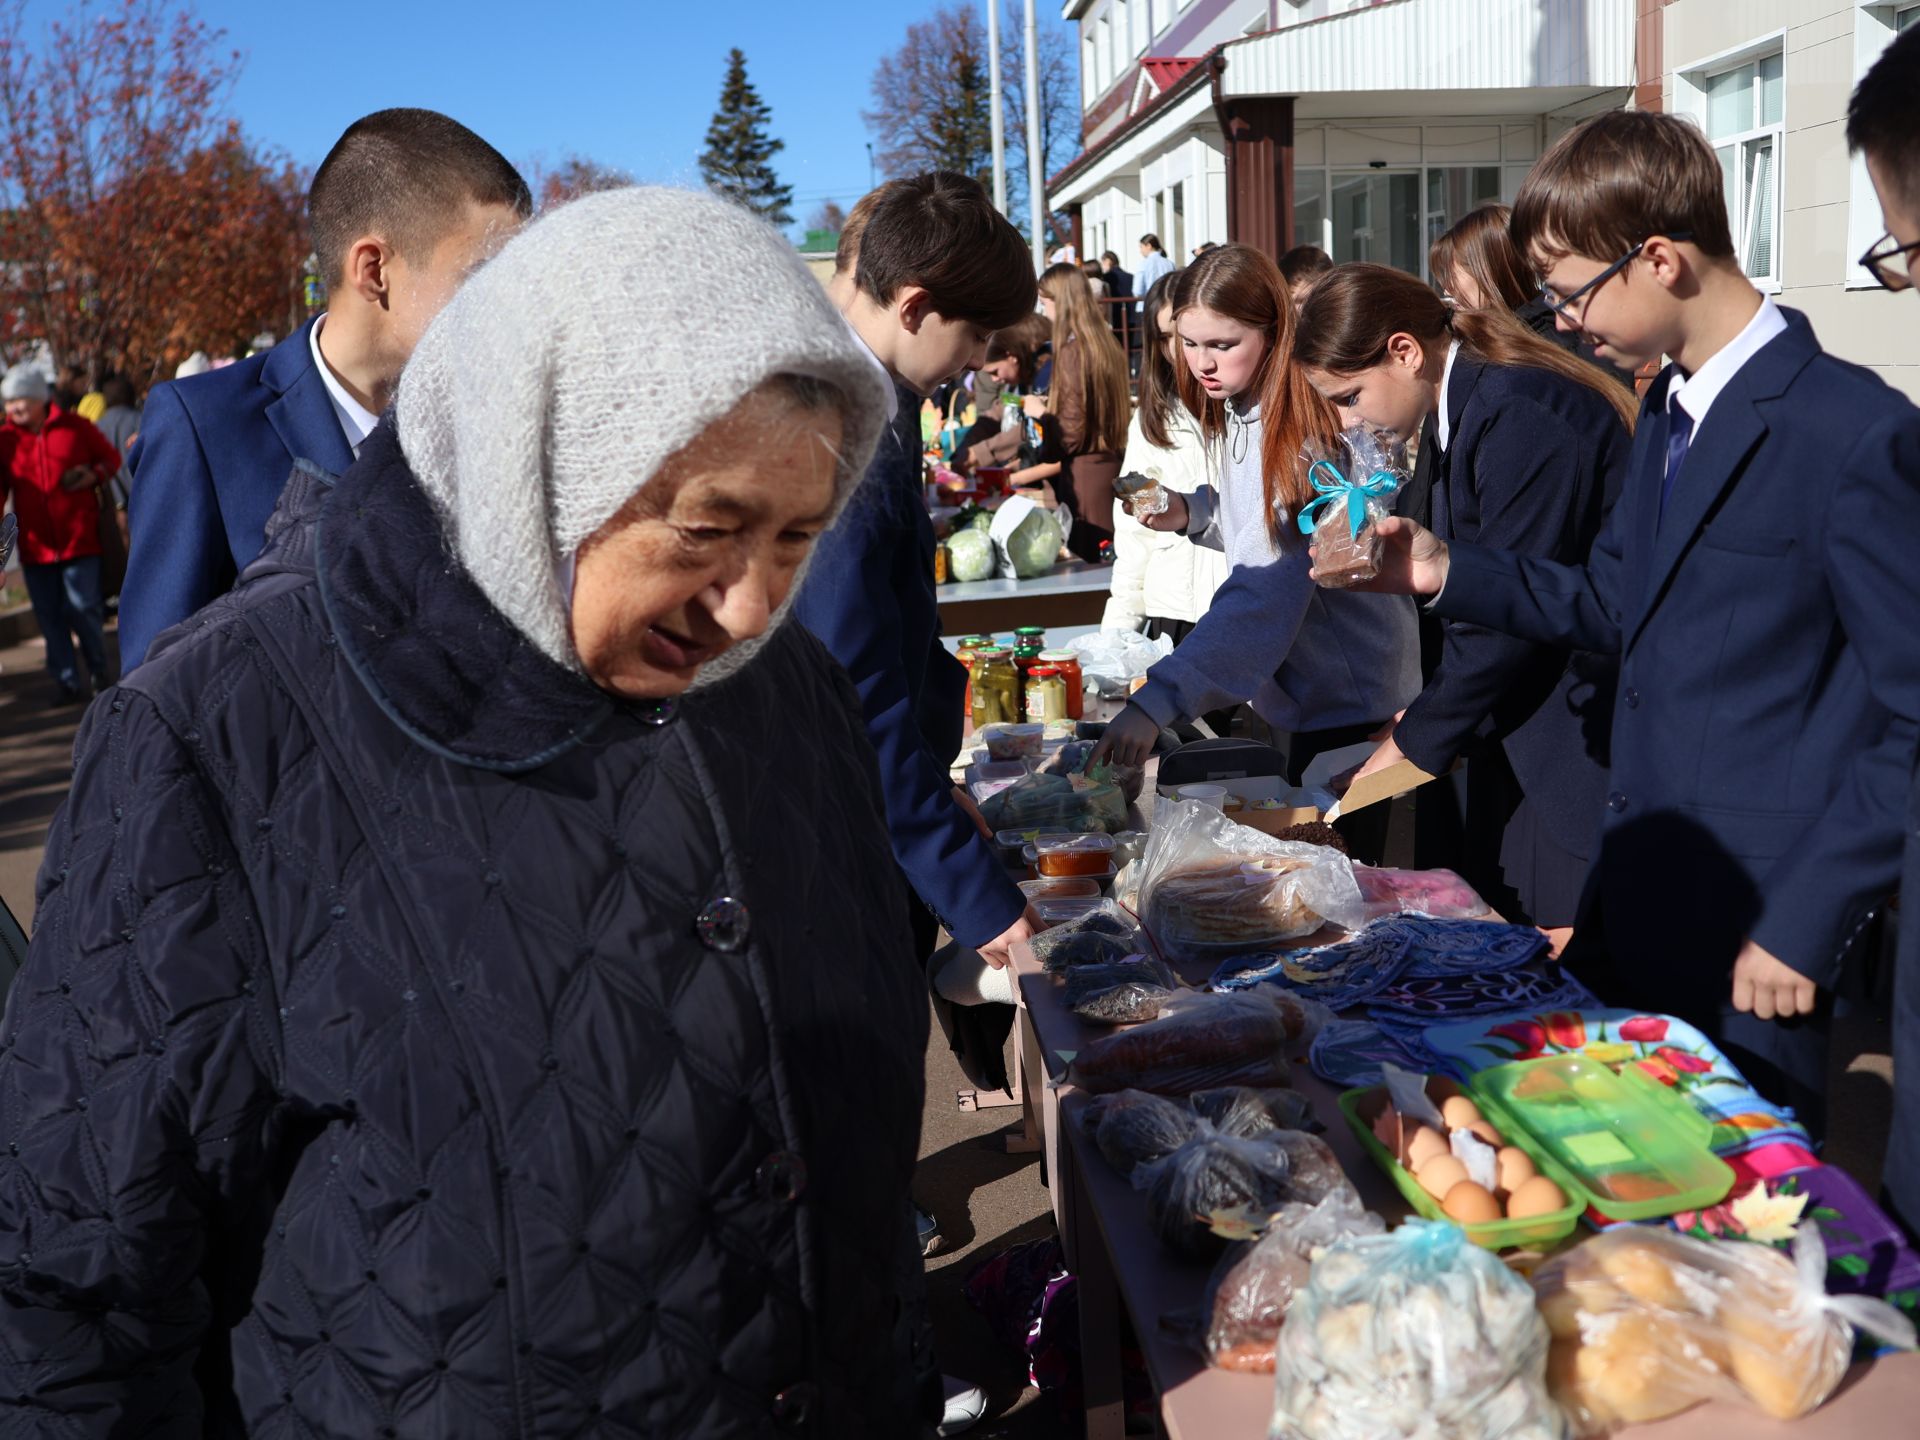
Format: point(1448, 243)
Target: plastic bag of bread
point(1201, 1041)
point(1133, 1128)
point(1209, 1181)
point(1249, 1113)
point(1416, 1333)
point(1253, 1285)
point(1647, 1323)
point(1209, 883)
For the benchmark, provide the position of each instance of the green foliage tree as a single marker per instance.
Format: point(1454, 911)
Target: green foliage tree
point(931, 98)
point(736, 163)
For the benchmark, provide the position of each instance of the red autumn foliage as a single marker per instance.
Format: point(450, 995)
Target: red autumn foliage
point(137, 222)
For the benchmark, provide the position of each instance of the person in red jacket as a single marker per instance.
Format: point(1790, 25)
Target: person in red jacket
point(53, 464)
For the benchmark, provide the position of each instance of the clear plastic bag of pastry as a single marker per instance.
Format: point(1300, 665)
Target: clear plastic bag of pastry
point(1418, 1332)
point(1208, 1184)
point(1210, 885)
point(1354, 481)
point(1142, 492)
point(1254, 1283)
point(1201, 1041)
point(1647, 1323)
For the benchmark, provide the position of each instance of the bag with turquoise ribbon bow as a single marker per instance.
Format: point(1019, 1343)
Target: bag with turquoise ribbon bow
point(1352, 491)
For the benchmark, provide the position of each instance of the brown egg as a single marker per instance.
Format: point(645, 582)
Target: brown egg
point(1516, 1168)
point(1459, 1112)
point(1470, 1204)
point(1535, 1197)
point(1440, 1174)
point(1422, 1145)
point(1484, 1129)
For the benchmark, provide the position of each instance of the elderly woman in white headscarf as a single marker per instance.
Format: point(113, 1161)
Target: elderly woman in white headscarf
point(464, 945)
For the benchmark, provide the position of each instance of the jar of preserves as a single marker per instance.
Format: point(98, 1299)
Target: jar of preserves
point(1074, 678)
point(964, 652)
point(1046, 694)
point(996, 688)
point(1034, 635)
point(940, 563)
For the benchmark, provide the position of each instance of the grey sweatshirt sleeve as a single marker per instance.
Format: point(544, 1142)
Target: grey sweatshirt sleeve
point(1237, 646)
point(1203, 519)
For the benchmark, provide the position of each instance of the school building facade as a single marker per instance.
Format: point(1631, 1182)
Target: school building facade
point(1369, 126)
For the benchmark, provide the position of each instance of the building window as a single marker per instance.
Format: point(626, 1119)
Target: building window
point(1453, 191)
point(1177, 225)
point(1142, 18)
point(1089, 88)
point(1102, 57)
point(1310, 207)
point(1745, 107)
point(1903, 18)
point(1376, 216)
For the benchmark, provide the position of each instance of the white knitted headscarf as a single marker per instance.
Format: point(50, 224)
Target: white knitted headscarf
point(599, 342)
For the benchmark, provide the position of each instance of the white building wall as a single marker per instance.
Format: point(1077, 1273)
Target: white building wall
point(1827, 214)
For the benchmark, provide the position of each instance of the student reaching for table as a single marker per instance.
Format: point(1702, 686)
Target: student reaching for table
point(1530, 447)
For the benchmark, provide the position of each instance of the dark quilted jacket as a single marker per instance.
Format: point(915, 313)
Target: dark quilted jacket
point(416, 1042)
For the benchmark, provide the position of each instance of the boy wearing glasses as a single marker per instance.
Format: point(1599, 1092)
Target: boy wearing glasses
point(1757, 579)
point(1883, 124)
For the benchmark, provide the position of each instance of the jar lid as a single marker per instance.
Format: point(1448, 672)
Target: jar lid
point(1062, 656)
point(1040, 672)
point(1030, 630)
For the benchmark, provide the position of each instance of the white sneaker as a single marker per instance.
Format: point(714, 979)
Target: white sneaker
point(966, 1403)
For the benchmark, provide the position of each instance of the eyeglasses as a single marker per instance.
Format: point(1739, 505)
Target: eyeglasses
point(1561, 306)
point(1886, 262)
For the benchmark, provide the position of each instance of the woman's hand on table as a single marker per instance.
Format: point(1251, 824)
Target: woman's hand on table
point(1413, 560)
point(1171, 520)
point(1766, 986)
point(998, 952)
point(1129, 739)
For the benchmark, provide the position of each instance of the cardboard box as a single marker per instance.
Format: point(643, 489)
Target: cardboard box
point(1397, 779)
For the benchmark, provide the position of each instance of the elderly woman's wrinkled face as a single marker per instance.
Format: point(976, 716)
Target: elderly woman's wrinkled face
point(701, 558)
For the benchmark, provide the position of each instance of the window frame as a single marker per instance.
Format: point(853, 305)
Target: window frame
point(1690, 83)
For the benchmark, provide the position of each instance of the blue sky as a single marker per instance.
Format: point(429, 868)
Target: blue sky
point(630, 84)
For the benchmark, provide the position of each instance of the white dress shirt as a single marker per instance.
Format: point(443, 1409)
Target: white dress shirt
point(356, 421)
point(1443, 427)
point(1696, 393)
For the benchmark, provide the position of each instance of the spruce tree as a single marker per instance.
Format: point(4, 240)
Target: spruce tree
point(735, 163)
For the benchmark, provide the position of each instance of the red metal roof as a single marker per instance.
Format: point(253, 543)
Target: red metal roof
point(1167, 69)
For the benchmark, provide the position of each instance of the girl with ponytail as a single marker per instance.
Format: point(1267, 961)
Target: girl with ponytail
point(1328, 667)
point(1531, 447)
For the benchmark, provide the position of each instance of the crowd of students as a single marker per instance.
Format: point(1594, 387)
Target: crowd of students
point(527, 813)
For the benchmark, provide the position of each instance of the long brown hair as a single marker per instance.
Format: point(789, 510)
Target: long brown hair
point(1101, 368)
point(1021, 341)
point(1245, 286)
point(1481, 247)
point(1159, 377)
point(1357, 308)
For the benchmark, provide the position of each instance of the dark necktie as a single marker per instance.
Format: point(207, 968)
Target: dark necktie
point(1679, 434)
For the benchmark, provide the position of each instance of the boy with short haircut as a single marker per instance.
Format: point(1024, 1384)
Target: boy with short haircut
point(404, 206)
point(1756, 579)
point(1883, 124)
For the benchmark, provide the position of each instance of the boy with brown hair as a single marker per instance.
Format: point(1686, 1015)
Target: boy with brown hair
point(1756, 580)
point(1883, 125)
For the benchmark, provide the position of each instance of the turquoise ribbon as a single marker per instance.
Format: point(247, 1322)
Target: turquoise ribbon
point(1332, 485)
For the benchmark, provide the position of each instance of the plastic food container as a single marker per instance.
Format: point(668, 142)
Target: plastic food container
point(1631, 1149)
point(1060, 910)
point(1074, 855)
point(1103, 876)
point(1014, 845)
point(1128, 846)
point(1214, 795)
point(1363, 1106)
point(1013, 742)
point(1060, 887)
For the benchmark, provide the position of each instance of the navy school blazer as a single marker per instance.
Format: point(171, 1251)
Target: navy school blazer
point(1535, 465)
point(869, 597)
point(214, 453)
point(1768, 629)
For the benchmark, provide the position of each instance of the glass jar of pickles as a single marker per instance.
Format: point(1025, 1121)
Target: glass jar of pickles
point(964, 651)
point(1046, 694)
point(1072, 676)
point(996, 688)
point(1026, 655)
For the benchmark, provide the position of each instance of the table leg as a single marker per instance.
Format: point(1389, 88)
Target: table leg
point(1043, 1124)
point(1102, 1386)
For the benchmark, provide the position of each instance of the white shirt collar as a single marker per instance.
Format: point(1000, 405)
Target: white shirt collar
point(356, 421)
point(1441, 424)
point(1696, 393)
point(893, 394)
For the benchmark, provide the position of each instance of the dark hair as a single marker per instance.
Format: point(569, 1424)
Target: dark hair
point(1356, 309)
point(1154, 240)
point(1881, 117)
point(1022, 342)
point(1109, 255)
point(1481, 244)
point(1304, 262)
point(117, 389)
point(407, 176)
point(1087, 355)
point(846, 253)
point(1090, 268)
point(1617, 179)
point(939, 231)
point(1159, 376)
point(1245, 285)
